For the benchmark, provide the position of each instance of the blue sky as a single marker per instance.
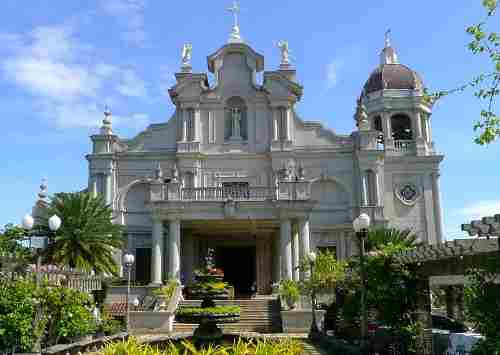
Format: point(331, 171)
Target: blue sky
point(62, 61)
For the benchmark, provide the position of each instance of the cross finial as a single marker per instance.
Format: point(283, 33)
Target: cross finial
point(235, 9)
point(235, 37)
point(387, 38)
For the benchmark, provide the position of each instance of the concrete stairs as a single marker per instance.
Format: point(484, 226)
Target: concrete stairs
point(260, 315)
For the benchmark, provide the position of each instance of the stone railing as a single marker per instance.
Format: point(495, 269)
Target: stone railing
point(286, 190)
point(188, 147)
point(224, 193)
point(404, 146)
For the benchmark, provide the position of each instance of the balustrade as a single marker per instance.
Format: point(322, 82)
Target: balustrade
point(404, 145)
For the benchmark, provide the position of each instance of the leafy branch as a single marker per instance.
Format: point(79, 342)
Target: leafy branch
point(486, 85)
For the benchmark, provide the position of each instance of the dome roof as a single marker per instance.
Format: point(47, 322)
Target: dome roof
point(392, 76)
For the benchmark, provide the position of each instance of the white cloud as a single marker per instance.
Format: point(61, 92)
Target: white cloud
point(479, 209)
point(132, 85)
point(51, 64)
point(333, 69)
point(131, 13)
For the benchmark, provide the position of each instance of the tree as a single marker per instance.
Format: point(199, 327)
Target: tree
point(486, 85)
point(87, 237)
point(17, 256)
point(482, 297)
point(380, 238)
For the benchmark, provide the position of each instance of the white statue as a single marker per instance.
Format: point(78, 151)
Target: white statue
point(236, 117)
point(187, 49)
point(285, 52)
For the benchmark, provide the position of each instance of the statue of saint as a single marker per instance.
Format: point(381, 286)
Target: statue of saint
point(285, 52)
point(187, 49)
point(236, 117)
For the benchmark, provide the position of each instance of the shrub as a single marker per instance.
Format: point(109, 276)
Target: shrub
point(18, 307)
point(70, 313)
point(219, 310)
point(289, 290)
point(166, 291)
point(239, 347)
point(109, 325)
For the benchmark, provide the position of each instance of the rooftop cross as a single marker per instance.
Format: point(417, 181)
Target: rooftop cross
point(235, 9)
point(235, 37)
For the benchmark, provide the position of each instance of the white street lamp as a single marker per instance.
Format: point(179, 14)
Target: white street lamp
point(361, 223)
point(28, 222)
point(54, 223)
point(128, 260)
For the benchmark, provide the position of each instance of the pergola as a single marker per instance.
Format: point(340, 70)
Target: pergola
point(445, 264)
point(485, 227)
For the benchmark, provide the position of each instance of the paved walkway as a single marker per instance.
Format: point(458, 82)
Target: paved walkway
point(312, 349)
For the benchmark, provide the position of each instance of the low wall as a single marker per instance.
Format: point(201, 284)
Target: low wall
point(299, 321)
point(118, 294)
point(83, 346)
point(159, 321)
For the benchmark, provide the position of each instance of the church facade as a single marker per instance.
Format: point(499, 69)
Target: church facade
point(237, 169)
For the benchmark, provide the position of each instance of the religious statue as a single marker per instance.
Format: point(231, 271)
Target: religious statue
point(236, 118)
point(187, 49)
point(285, 52)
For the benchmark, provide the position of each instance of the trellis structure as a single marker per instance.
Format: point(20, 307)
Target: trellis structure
point(447, 260)
point(485, 227)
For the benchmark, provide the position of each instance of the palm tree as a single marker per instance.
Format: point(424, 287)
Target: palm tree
point(87, 238)
point(380, 237)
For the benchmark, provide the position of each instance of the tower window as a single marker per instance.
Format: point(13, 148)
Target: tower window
point(401, 127)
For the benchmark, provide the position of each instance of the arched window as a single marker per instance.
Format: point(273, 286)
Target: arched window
point(401, 127)
point(235, 123)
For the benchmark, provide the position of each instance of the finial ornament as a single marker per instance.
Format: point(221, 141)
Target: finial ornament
point(387, 38)
point(235, 36)
point(285, 53)
point(106, 127)
point(42, 195)
point(187, 50)
point(388, 55)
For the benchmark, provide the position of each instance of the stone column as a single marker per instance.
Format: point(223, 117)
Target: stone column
point(197, 125)
point(387, 129)
point(108, 189)
point(276, 113)
point(156, 252)
point(174, 249)
point(295, 252)
point(436, 197)
point(184, 124)
point(305, 240)
point(93, 186)
point(286, 249)
point(424, 340)
point(277, 259)
point(364, 188)
point(289, 120)
point(378, 195)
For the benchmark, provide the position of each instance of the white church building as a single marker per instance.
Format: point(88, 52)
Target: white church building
point(237, 169)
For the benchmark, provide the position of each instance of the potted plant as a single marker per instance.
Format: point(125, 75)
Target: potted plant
point(289, 291)
point(165, 293)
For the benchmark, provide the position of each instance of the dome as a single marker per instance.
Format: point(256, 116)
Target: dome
point(392, 76)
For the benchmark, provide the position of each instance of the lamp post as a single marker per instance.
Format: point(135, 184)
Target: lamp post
point(361, 225)
point(39, 243)
point(128, 260)
point(314, 331)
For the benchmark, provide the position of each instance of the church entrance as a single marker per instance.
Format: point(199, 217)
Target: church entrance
point(239, 267)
